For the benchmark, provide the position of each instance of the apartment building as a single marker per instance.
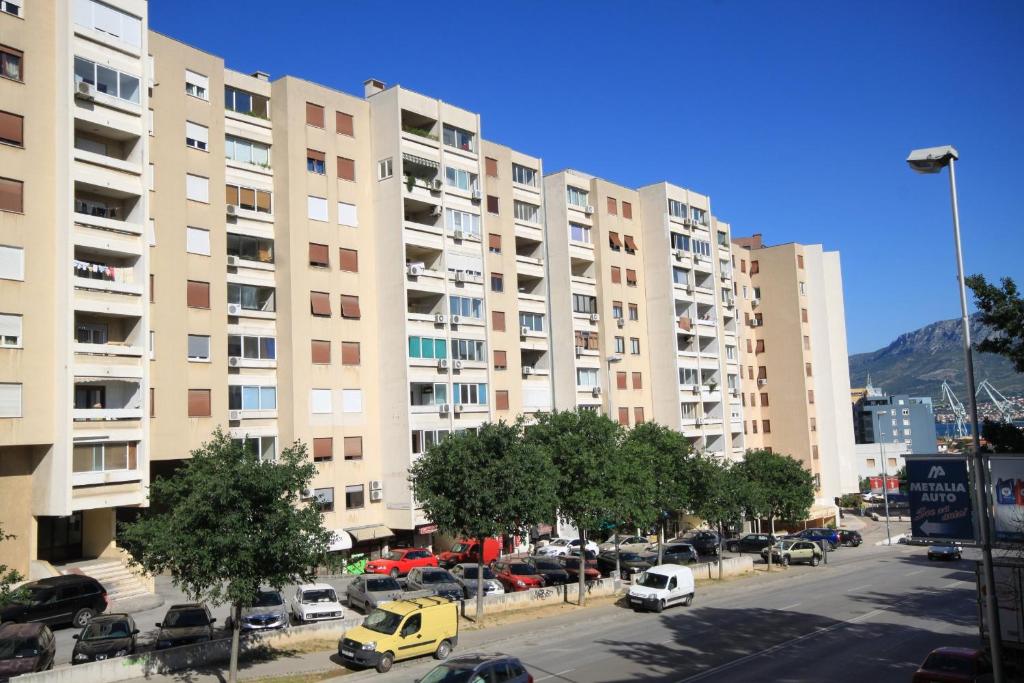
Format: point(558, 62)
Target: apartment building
point(796, 381)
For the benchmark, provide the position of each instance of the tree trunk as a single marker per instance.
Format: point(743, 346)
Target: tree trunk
point(618, 567)
point(719, 551)
point(661, 542)
point(583, 568)
point(236, 627)
point(480, 585)
point(771, 521)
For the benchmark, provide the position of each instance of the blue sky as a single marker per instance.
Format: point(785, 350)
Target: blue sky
point(795, 117)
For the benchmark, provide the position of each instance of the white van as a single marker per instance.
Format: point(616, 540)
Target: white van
point(662, 586)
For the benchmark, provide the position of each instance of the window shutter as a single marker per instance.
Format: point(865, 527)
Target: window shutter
point(10, 400)
point(627, 212)
point(638, 380)
point(231, 195)
point(197, 132)
point(500, 359)
point(799, 261)
point(803, 314)
point(320, 401)
point(198, 402)
point(620, 380)
point(630, 276)
point(321, 351)
point(198, 294)
point(11, 192)
point(616, 275)
point(501, 399)
point(350, 306)
point(12, 128)
point(491, 167)
point(759, 348)
point(353, 447)
point(492, 204)
point(318, 255)
point(10, 325)
point(613, 208)
point(263, 201)
point(348, 260)
point(347, 214)
point(755, 267)
point(316, 155)
point(346, 169)
point(638, 415)
point(198, 346)
point(624, 417)
point(630, 243)
point(498, 321)
point(323, 448)
point(494, 242)
point(314, 115)
point(343, 123)
point(316, 208)
point(614, 241)
point(350, 354)
point(197, 241)
point(320, 303)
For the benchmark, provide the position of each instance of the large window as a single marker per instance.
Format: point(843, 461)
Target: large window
point(246, 102)
point(10, 63)
point(459, 138)
point(199, 347)
point(113, 22)
point(576, 196)
point(354, 498)
point(252, 347)
point(108, 81)
point(263, 446)
point(458, 178)
point(427, 394)
point(534, 321)
point(472, 394)
point(252, 398)
point(197, 85)
point(680, 276)
point(428, 347)
point(526, 212)
point(699, 215)
point(586, 377)
point(196, 136)
point(316, 208)
point(579, 233)
point(246, 151)
point(468, 307)
point(677, 209)
point(688, 376)
point(249, 198)
point(583, 303)
point(468, 349)
point(524, 175)
point(422, 439)
point(252, 297)
point(251, 248)
point(701, 247)
point(468, 223)
point(680, 241)
point(105, 457)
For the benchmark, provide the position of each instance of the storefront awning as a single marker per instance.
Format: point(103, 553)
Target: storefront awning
point(370, 533)
point(340, 541)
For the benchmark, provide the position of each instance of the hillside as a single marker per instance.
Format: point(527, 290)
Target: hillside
point(917, 362)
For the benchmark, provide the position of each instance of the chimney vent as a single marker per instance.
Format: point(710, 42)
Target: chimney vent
point(372, 86)
point(261, 75)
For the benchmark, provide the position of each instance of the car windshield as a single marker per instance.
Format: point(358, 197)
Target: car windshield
point(521, 569)
point(438, 577)
point(393, 556)
point(446, 674)
point(268, 599)
point(469, 572)
point(785, 545)
point(546, 564)
point(319, 595)
point(559, 541)
point(460, 547)
point(382, 584)
point(679, 549)
point(939, 661)
point(629, 557)
point(650, 580)
point(106, 629)
point(382, 621)
point(186, 618)
point(18, 647)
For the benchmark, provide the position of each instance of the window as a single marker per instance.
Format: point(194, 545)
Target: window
point(316, 161)
point(347, 215)
point(197, 294)
point(614, 242)
point(807, 342)
point(469, 394)
point(617, 310)
point(246, 151)
point(348, 260)
point(104, 457)
point(620, 345)
point(524, 175)
point(491, 167)
point(197, 241)
point(810, 395)
point(494, 243)
point(730, 352)
point(680, 276)
point(10, 331)
point(616, 275)
point(680, 242)
point(584, 303)
point(247, 103)
point(324, 499)
point(350, 307)
point(250, 248)
point(688, 376)
point(468, 223)
point(803, 315)
point(799, 261)
point(529, 213)
point(252, 297)
point(576, 197)
point(501, 399)
point(12, 128)
point(10, 63)
point(320, 401)
point(466, 306)
point(320, 351)
point(613, 207)
point(500, 360)
point(351, 400)
point(460, 179)
point(677, 209)
point(199, 403)
point(766, 426)
point(385, 168)
point(106, 80)
point(764, 399)
point(700, 247)
point(319, 255)
point(624, 417)
point(350, 353)
point(428, 347)
point(497, 282)
point(11, 7)
point(323, 449)
point(631, 246)
point(353, 447)
point(759, 346)
point(803, 288)
point(346, 169)
point(586, 377)
point(11, 195)
point(197, 188)
point(198, 347)
point(699, 215)
point(634, 346)
point(316, 208)
point(814, 424)
point(638, 415)
point(196, 136)
point(630, 277)
point(498, 321)
point(627, 212)
point(354, 496)
point(424, 439)
point(634, 312)
point(248, 198)
point(533, 321)
point(459, 138)
point(252, 398)
point(807, 369)
point(620, 380)
point(755, 267)
point(314, 115)
point(579, 233)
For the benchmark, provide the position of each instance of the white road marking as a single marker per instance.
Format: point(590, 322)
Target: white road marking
point(857, 588)
point(560, 673)
point(917, 572)
point(795, 604)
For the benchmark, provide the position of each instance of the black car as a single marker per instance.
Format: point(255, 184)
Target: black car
point(105, 637)
point(630, 563)
point(479, 668)
point(550, 569)
point(72, 599)
point(25, 648)
point(944, 551)
point(751, 543)
point(184, 625)
point(706, 542)
point(678, 553)
point(850, 537)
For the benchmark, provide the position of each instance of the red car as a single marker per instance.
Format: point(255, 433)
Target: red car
point(954, 665)
point(469, 551)
point(571, 564)
point(517, 576)
point(399, 562)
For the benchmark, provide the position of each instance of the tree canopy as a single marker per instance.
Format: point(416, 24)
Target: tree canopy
point(9, 577)
point(1002, 308)
point(780, 486)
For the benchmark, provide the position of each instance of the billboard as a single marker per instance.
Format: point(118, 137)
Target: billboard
point(1007, 481)
point(940, 498)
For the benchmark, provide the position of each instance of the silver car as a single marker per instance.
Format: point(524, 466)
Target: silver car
point(466, 573)
point(434, 579)
point(370, 590)
point(268, 612)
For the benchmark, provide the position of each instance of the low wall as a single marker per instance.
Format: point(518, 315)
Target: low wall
point(538, 597)
point(731, 566)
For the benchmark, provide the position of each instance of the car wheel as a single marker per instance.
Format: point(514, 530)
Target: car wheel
point(385, 662)
point(659, 606)
point(83, 617)
point(733, 548)
point(443, 650)
point(688, 600)
point(785, 560)
point(394, 573)
point(814, 560)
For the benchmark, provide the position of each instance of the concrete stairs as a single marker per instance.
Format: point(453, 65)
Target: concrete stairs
point(121, 584)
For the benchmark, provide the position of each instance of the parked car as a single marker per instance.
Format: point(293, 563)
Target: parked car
point(677, 553)
point(751, 543)
point(25, 648)
point(944, 551)
point(185, 624)
point(465, 574)
point(468, 550)
point(71, 599)
point(633, 544)
point(367, 591)
point(401, 630)
point(662, 586)
point(400, 562)
point(830, 536)
point(571, 564)
point(550, 569)
point(563, 546)
point(105, 637)
point(954, 665)
point(479, 668)
point(629, 563)
point(787, 551)
point(516, 575)
point(850, 537)
point(315, 602)
point(436, 580)
point(706, 542)
point(269, 611)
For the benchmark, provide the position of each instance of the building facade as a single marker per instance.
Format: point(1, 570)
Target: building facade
point(879, 417)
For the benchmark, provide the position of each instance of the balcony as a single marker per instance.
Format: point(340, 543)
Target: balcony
point(99, 463)
point(251, 301)
point(108, 335)
point(421, 129)
point(104, 146)
point(428, 397)
point(107, 399)
point(101, 270)
point(108, 209)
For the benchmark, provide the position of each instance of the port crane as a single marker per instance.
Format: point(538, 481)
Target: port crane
point(998, 400)
point(959, 414)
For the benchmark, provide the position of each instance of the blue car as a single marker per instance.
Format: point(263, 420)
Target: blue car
point(830, 536)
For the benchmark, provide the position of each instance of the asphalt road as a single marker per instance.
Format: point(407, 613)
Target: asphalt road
point(872, 614)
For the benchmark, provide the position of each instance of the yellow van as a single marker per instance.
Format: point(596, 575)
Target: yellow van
point(401, 630)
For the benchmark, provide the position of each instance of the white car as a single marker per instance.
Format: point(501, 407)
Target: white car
point(662, 586)
point(627, 544)
point(316, 602)
point(563, 546)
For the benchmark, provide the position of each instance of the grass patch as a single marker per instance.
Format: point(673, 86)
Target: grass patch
point(305, 678)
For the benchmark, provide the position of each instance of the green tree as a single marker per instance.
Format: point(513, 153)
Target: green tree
point(9, 577)
point(232, 523)
point(1002, 309)
point(779, 487)
point(584, 448)
point(720, 493)
point(489, 483)
point(1003, 437)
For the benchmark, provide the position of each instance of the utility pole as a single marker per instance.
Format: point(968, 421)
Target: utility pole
point(885, 480)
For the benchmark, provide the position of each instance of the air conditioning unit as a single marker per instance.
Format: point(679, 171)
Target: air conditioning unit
point(376, 485)
point(754, 322)
point(440, 318)
point(456, 319)
point(761, 382)
point(234, 414)
point(621, 322)
point(524, 331)
point(588, 209)
point(444, 408)
point(459, 235)
point(435, 211)
point(234, 361)
point(414, 269)
point(85, 91)
point(231, 210)
point(595, 392)
point(477, 195)
point(458, 407)
point(527, 369)
point(688, 222)
point(680, 254)
point(755, 303)
point(436, 185)
point(376, 495)
point(442, 364)
point(234, 309)
point(594, 317)
point(233, 261)
point(457, 364)
point(460, 276)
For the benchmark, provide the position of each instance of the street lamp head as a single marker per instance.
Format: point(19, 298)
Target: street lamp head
point(932, 159)
point(614, 358)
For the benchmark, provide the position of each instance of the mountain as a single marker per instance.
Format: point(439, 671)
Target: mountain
point(917, 362)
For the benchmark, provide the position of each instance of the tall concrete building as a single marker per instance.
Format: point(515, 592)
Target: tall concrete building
point(879, 417)
point(796, 381)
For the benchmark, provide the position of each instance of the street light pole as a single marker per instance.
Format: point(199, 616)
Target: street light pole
point(614, 358)
point(931, 161)
point(885, 481)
